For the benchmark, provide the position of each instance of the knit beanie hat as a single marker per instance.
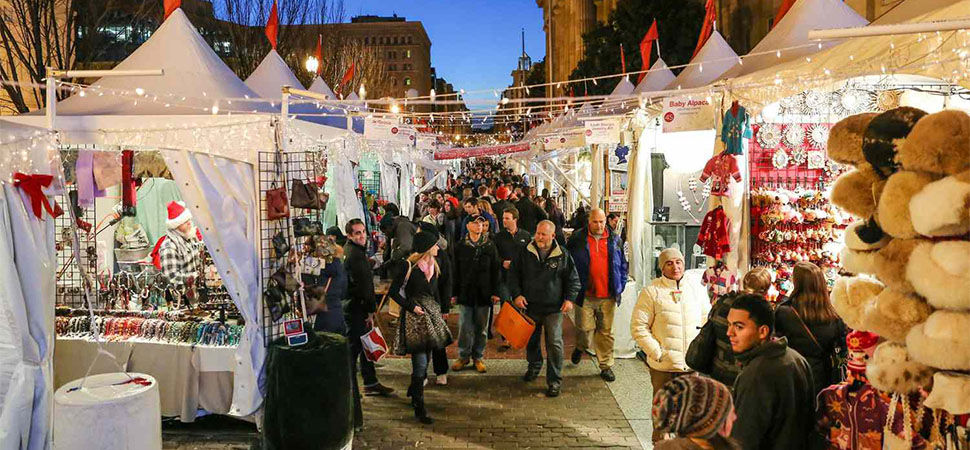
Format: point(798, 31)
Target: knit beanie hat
point(692, 406)
point(861, 345)
point(669, 254)
point(423, 241)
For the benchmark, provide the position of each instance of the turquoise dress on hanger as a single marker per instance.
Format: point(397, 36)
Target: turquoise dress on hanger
point(735, 128)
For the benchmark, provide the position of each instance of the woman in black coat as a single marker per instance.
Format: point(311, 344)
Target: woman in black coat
point(419, 286)
point(812, 326)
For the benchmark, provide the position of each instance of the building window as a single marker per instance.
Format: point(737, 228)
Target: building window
point(407, 81)
point(407, 54)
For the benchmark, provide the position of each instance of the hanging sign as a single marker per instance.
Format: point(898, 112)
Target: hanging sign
point(619, 189)
point(475, 152)
point(605, 131)
point(388, 129)
point(687, 114)
point(426, 142)
point(564, 140)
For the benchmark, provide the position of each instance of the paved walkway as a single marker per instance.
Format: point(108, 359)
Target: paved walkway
point(493, 410)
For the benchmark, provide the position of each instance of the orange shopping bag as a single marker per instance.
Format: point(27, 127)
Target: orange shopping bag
point(515, 326)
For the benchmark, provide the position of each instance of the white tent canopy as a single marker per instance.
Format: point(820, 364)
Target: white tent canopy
point(320, 87)
point(788, 40)
point(656, 79)
point(622, 89)
point(192, 71)
point(715, 58)
point(271, 75)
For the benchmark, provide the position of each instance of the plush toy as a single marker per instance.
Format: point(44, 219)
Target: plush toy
point(891, 314)
point(890, 263)
point(885, 133)
point(943, 341)
point(851, 295)
point(938, 144)
point(859, 256)
point(845, 139)
point(942, 208)
point(892, 370)
point(853, 192)
point(951, 391)
point(893, 212)
point(941, 273)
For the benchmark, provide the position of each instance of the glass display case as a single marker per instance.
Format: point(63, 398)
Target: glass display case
point(676, 234)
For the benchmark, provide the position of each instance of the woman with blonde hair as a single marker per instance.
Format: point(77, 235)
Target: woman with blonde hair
point(811, 325)
point(418, 286)
point(710, 352)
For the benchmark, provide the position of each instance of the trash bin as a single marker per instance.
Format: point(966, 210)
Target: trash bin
point(111, 411)
point(309, 402)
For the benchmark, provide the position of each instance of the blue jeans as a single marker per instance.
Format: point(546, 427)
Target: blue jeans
point(551, 325)
point(419, 365)
point(472, 331)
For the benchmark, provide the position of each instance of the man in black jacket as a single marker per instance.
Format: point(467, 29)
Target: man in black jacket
point(529, 214)
point(543, 281)
point(774, 393)
point(510, 241)
point(478, 287)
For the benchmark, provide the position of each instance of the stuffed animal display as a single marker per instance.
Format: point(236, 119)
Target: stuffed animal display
point(909, 249)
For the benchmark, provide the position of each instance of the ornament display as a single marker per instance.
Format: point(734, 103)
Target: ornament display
point(794, 135)
point(816, 159)
point(799, 156)
point(818, 135)
point(887, 99)
point(780, 159)
point(815, 101)
point(769, 135)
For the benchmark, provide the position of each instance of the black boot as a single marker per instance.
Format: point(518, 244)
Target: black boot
point(416, 391)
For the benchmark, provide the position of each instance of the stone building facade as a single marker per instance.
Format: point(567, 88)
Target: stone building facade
point(565, 22)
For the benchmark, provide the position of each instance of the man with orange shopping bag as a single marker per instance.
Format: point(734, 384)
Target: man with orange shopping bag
point(543, 281)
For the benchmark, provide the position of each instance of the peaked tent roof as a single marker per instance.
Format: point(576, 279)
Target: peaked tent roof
point(320, 87)
point(192, 70)
point(792, 31)
point(271, 75)
point(716, 57)
point(656, 79)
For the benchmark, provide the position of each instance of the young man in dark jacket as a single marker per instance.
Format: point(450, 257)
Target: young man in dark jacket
point(478, 286)
point(543, 281)
point(602, 270)
point(774, 393)
point(529, 214)
point(510, 242)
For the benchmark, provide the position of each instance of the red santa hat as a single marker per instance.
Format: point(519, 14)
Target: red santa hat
point(177, 215)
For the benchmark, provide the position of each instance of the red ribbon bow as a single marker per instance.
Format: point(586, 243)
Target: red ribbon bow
point(33, 186)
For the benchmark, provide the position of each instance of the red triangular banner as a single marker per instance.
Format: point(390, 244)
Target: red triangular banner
point(646, 49)
point(707, 28)
point(348, 76)
point(273, 25)
point(171, 6)
point(622, 60)
point(782, 10)
point(319, 54)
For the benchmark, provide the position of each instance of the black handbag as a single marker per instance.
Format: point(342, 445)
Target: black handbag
point(280, 245)
point(285, 280)
point(303, 226)
point(307, 196)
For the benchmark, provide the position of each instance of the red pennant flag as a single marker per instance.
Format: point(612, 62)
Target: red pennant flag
point(646, 48)
point(171, 6)
point(319, 54)
point(782, 10)
point(348, 75)
point(707, 28)
point(273, 25)
point(622, 60)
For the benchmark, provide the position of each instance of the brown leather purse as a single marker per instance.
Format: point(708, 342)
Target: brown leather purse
point(307, 196)
point(316, 298)
point(277, 206)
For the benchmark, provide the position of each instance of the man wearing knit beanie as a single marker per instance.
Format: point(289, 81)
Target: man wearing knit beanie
point(666, 318)
point(697, 409)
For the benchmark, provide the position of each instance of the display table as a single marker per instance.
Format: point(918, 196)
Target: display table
point(189, 377)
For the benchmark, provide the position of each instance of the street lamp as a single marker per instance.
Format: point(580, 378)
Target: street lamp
point(312, 64)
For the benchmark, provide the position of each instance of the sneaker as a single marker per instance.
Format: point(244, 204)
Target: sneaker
point(480, 366)
point(378, 389)
point(460, 364)
point(441, 380)
point(553, 390)
point(608, 375)
point(530, 375)
point(576, 356)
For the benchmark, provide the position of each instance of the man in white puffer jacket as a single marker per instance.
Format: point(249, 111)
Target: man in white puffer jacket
point(667, 317)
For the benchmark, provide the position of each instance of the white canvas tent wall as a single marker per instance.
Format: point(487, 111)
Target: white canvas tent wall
point(656, 79)
point(715, 58)
point(788, 40)
point(865, 56)
point(271, 75)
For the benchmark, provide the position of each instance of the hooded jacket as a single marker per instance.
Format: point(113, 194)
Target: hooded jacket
point(664, 325)
point(545, 283)
point(578, 246)
point(774, 398)
point(476, 271)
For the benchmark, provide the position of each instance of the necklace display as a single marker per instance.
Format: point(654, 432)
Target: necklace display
point(175, 328)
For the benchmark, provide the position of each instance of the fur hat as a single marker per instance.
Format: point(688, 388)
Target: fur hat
point(692, 406)
point(943, 341)
point(669, 254)
point(892, 370)
point(939, 143)
point(951, 392)
point(850, 295)
point(893, 208)
point(423, 241)
point(852, 191)
point(885, 133)
point(941, 273)
point(845, 139)
point(891, 314)
point(890, 263)
point(942, 208)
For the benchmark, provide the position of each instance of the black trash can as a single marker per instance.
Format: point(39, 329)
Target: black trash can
point(309, 402)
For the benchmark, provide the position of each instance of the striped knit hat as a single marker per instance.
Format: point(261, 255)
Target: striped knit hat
point(692, 406)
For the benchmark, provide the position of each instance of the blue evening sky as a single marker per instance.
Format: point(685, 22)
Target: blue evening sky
point(475, 44)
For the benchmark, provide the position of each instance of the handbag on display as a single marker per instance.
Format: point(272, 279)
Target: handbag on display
point(516, 327)
point(303, 226)
point(307, 196)
point(277, 206)
point(375, 347)
point(316, 299)
point(280, 245)
point(285, 280)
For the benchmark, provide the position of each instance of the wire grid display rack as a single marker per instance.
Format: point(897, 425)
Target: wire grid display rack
point(69, 283)
point(277, 170)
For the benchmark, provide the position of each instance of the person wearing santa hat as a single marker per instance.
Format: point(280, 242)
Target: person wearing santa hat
point(177, 253)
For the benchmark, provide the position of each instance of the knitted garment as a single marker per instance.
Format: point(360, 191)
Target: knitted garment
point(692, 406)
point(713, 235)
point(721, 169)
point(735, 128)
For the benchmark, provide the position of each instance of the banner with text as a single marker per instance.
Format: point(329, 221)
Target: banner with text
point(475, 152)
point(565, 140)
point(687, 114)
point(606, 131)
point(388, 129)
